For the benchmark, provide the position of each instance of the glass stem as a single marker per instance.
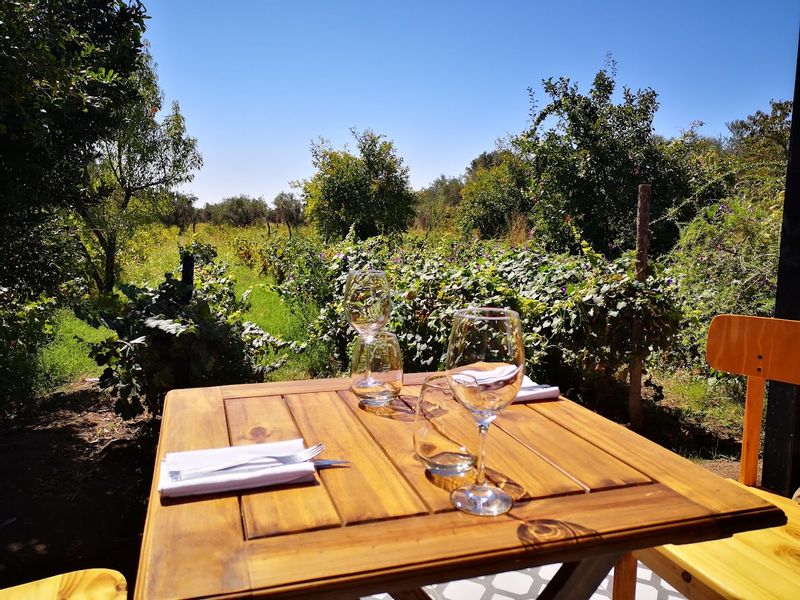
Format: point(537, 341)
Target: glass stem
point(480, 478)
point(368, 350)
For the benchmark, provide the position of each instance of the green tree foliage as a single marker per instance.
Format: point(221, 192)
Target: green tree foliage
point(288, 209)
point(726, 260)
point(588, 156)
point(369, 192)
point(64, 66)
point(238, 211)
point(140, 163)
point(435, 203)
point(179, 211)
point(493, 195)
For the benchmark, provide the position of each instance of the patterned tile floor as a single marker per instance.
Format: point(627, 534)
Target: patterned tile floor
point(526, 584)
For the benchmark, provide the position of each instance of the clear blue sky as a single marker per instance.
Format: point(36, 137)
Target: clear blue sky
point(258, 80)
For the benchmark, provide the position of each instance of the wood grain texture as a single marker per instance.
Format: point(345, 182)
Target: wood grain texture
point(755, 346)
point(371, 488)
point(418, 551)
point(201, 540)
point(561, 447)
point(685, 477)
point(751, 430)
point(752, 564)
point(510, 464)
point(89, 584)
point(392, 530)
point(624, 580)
point(284, 510)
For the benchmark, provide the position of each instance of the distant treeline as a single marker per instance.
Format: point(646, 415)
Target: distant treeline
point(238, 211)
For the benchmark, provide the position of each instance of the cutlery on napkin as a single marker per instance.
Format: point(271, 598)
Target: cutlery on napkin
point(232, 479)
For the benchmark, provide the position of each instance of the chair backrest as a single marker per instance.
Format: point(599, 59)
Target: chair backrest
point(762, 349)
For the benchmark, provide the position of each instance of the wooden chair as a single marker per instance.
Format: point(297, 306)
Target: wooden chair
point(89, 584)
point(757, 564)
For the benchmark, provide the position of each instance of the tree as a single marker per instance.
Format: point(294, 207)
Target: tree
point(491, 198)
point(64, 67)
point(435, 203)
point(238, 211)
point(588, 156)
point(370, 192)
point(139, 162)
point(288, 210)
point(179, 211)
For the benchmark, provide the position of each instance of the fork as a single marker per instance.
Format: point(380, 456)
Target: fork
point(281, 459)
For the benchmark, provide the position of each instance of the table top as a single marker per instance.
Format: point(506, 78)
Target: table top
point(584, 487)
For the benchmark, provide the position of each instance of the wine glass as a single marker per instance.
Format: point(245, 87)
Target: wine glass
point(367, 303)
point(485, 367)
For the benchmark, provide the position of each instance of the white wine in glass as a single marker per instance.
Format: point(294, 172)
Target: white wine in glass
point(367, 304)
point(485, 367)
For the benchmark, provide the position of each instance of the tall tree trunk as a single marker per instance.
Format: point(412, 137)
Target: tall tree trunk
point(110, 260)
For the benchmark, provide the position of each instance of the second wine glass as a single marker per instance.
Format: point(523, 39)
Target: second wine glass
point(367, 304)
point(485, 367)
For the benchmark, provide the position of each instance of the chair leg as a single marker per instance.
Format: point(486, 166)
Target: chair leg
point(624, 582)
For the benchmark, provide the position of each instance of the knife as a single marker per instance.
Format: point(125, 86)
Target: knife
point(319, 463)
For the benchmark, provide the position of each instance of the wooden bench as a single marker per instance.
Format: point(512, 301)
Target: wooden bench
point(757, 564)
point(89, 584)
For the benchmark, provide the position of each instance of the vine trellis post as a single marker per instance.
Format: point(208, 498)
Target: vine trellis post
point(642, 240)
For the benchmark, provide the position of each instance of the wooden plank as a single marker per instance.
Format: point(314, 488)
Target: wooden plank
point(191, 546)
point(279, 388)
point(713, 569)
point(371, 488)
point(77, 585)
point(568, 451)
point(279, 510)
point(407, 553)
point(659, 464)
point(751, 434)
point(523, 473)
point(676, 576)
point(755, 346)
point(624, 580)
point(579, 580)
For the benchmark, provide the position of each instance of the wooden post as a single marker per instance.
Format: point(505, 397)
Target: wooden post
point(187, 275)
point(642, 239)
point(781, 471)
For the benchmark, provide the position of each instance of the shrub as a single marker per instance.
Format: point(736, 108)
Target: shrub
point(165, 339)
point(24, 329)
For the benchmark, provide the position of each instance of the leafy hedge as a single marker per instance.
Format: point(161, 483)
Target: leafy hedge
point(25, 328)
point(175, 337)
point(576, 309)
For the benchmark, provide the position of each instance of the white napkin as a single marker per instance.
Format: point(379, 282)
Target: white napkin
point(528, 392)
point(228, 480)
point(536, 391)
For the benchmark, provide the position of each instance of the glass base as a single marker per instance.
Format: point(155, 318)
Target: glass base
point(372, 392)
point(484, 501)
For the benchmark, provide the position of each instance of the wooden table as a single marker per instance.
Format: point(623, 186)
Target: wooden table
point(588, 491)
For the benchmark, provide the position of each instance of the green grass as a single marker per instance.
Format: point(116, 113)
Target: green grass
point(715, 403)
point(66, 359)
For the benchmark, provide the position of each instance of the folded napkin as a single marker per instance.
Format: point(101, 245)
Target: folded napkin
point(528, 392)
point(226, 481)
point(536, 391)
